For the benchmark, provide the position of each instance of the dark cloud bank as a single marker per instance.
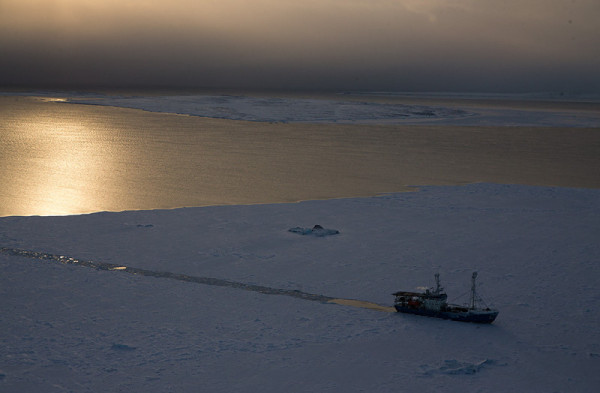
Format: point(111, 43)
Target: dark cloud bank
point(355, 45)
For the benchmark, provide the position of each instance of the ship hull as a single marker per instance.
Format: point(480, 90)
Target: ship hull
point(475, 316)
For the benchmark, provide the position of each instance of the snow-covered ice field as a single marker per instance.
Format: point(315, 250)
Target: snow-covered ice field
point(357, 108)
point(72, 328)
point(344, 110)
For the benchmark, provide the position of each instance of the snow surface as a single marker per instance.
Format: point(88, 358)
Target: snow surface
point(72, 328)
point(304, 110)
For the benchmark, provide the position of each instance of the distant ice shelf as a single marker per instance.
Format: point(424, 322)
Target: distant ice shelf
point(276, 109)
point(357, 108)
point(311, 110)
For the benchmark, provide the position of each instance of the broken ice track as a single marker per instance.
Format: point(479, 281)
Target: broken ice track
point(195, 279)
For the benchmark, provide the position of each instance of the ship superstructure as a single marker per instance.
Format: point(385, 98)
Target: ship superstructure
point(432, 303)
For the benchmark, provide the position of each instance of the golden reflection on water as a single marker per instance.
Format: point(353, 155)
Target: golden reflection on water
point(53, 99)
point(58, 159)
point(69, 171)
point(52, 166)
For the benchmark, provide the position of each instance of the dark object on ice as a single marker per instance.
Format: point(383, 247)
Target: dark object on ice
point(317, 230)
point(122, 347)
point(432, 303)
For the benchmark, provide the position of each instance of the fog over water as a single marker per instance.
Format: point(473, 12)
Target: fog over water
point(409, 45)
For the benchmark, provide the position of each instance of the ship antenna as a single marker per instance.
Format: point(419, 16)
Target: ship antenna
point(473, 291)
point(438, 289)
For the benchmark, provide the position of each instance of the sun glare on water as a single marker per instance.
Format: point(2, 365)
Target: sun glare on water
point(54, 162)
point(53, 99)
point(66, 170)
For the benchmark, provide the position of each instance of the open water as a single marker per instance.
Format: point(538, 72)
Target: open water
point(58, 158)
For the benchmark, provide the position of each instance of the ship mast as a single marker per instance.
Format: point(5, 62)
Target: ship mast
point(438, 289)
point(473, 291)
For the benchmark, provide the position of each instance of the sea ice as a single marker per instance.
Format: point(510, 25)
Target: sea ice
point(74, 328)
point(305, 110)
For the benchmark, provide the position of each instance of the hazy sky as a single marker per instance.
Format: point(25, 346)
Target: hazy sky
point(409, 45)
